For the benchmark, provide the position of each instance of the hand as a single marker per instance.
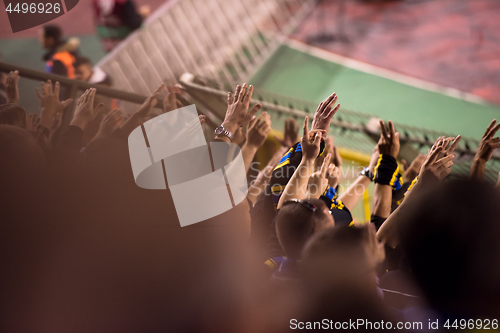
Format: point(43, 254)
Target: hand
point(11, 87)
point(411, 171)
point(433, 169)
point(258, 130)
point(85, 111)
point(109, 123)
point(49, 102)
point(447, 147)
point(318, 181)
point(488, 143)
point(310, 144)
point(325, 113)
point(388, 143)
point(150, 102)
point(170, 103)
point(291, 133)
point(32, 122)
point(333, 175)
point(237, 113)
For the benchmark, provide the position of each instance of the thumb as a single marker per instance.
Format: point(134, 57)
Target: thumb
point(67, 102)
point(254, 110)
point(99, 108)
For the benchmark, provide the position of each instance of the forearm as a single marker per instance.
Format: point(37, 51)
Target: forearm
point(388, 233)
point(297, 185)
point(352, 195)
point(477, 169)
point(382, 197)
point(248, 153)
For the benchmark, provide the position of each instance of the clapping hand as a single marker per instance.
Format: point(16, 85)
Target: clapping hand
point(434, 169)
point(488, 143)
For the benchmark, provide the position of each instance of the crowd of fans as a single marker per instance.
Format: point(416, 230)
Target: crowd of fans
point(84, 249)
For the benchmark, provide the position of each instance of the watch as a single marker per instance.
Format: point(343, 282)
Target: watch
point(367, 173)
point(221, 130)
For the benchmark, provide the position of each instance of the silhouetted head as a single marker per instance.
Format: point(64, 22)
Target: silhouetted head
point(297, 221)
point(451, 238)
point(50, 36)
point(12, 114)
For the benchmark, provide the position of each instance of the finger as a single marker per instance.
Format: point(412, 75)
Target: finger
point(49, 87)
point(490, 126)
point(325, 102)
point(38, 93)
point(254, 110)
point(333, 111)
point(57, 89)
point(242, 92)
point(384, 131)
point(91, 97)
point(444, 174)
point(445, 160)
point(178, 104)
point(493, 131)
point(391, 129)
point(331, 103)
point(324, 165)
point(202, 119)
point(67, 102)
point(158, 90)
point(248, 95)
point(252, 122)
point(405, 165)
point(229, 98)
point(305, 128)
point(260, 119)
point(454, 144)
point(317, 138)
point(98, 108)
point(237, 93)
point(433, 154)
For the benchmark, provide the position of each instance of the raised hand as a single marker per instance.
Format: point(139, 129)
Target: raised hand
point(411, 171)
point(291, 133)
point(333, 175)
point(318, 180)
point(434, 169)
point(325, 113)
point(310, 142)
point(237, 113)
point(389, 141)
point(170, 103)
point(488, 143)
point(85, 111)
point(32, 121)
point(110, 122)
point(148, 104)
point(11, 87)
point(258, 130)
point(49, 102)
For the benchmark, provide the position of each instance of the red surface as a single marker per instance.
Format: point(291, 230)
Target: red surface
point(78, 21)
point(455, 43)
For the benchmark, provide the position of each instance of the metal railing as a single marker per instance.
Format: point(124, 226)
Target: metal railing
point(224, 41)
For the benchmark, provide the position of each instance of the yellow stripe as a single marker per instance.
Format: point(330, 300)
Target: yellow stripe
point(394, 176)
point(277, 188)
point(377, 165)
point(271, 263)
point(282, 164)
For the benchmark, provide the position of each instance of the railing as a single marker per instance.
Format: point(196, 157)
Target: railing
point(223, 41)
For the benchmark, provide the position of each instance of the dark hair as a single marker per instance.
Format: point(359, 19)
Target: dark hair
point(295, 223)
point(53, 31)
point(82, 61)
point(451, 239)
point(12, 114)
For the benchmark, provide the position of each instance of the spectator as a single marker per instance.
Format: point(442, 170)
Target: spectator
point(61, 53)
point(116, 19)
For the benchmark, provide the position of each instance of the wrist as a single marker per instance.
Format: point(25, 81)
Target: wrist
point(230, 126)
point(79, 122)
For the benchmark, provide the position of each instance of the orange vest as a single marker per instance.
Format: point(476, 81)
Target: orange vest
point(67, 59)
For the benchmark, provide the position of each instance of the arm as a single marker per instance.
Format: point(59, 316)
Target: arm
point(297, 185)
point(385, 168)
point(11, 87)
point(485, 150)
point(432, 171)
point(258, 131)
